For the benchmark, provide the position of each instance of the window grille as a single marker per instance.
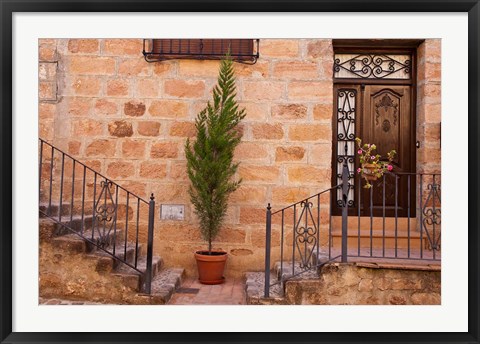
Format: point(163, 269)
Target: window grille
point(241, 50)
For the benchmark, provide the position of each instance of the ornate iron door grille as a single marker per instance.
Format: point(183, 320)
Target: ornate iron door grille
point(345, 150)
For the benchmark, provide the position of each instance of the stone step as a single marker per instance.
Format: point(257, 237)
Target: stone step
point(255, 289)
point(164, 285)
point(157, 264)
point(49, 228)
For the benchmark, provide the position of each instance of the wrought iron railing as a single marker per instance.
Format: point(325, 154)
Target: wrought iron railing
point(312, 236)
point(107, 216)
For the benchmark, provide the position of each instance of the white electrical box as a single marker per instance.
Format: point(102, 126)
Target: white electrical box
point(172, 212)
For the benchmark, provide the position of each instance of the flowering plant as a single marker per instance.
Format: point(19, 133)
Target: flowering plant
point(372, 168)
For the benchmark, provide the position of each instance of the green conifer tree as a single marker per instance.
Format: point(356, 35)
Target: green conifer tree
point(210, 165)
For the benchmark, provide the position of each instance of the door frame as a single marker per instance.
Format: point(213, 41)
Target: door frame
point(377, 47)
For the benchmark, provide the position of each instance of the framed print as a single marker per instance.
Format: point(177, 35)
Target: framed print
point(167, 137)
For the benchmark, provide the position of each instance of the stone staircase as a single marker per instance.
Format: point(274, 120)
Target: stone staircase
point(62, 242)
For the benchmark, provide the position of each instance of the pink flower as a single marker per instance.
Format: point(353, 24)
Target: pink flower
point(389, 167)
point(372, 157)
point(359, 170)
point(359, 151)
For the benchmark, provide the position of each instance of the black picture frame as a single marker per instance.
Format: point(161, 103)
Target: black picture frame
point(9, 7)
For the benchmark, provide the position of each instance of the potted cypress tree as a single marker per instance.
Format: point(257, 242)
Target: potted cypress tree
point(211, 169)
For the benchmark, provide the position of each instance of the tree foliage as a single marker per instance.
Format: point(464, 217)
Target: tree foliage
point(210, 165)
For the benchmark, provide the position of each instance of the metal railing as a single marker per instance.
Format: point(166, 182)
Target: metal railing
point(107, 216)
point(392, 230)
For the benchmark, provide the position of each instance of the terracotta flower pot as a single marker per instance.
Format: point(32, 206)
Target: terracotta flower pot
point(211, 267)
point(368, 171)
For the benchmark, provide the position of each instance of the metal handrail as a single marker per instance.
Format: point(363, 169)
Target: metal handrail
point(306, 228)
point(104, 232)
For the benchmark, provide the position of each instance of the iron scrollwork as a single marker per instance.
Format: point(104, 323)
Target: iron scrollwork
point(105, 207)
point(432, 217)
point(306, 231)
point(346, 100)
point(372, 66)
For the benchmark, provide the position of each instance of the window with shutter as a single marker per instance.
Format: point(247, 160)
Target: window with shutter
point(241, 50)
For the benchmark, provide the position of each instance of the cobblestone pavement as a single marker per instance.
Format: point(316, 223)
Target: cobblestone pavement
point(192, 292)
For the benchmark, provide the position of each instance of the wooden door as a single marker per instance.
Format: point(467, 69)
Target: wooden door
point(382, 115)
point(387, 122)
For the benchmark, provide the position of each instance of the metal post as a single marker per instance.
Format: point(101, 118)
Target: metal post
point(267, 250)
point(345, 174)
point(148, 272)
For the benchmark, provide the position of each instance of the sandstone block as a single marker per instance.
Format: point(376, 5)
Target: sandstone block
point(289, 111)
point(256, 173)
point(250, 151)
point(103, 148)
point(292, 153)
point(133, 149)
point(86, 86)
point(184, 88)
point(83, 46)
point(134, 108)
point(163, 69)
point(320, 91)
point(46, 111)
point(433, 113)
point(105, 107)
point(182, 129)
point(47, 53)
point(308, 175)
point(321, 48)
point(78, 106)
point(74, 147)
point(321, 154)
point(264, 90)
point(231, 235)
point(117, 88)
point(47, 71)
point(310, 132)
point(87, 127)
point(250, 215)
point(134, 67)
point(279, 48)
point(406, 284)
point(120, 128)
point(295, 70)
point(47, 90)
point(92, 65)
point(123, 47)
point(148, 128)
point(287, 195)
point(168, 109)
point(258, 70)
point(267, 131)
point(323, 112)
point(45, 130)
point(153, 170)
point(146, 88)
point(255, 111)
point(249, 195)
point(178, 171)
point(120, 169)
point(164, 150)
point(200, 68)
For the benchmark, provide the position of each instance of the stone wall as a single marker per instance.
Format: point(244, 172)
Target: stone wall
point(101, 102)
point(429, 106)
point(350, 284)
